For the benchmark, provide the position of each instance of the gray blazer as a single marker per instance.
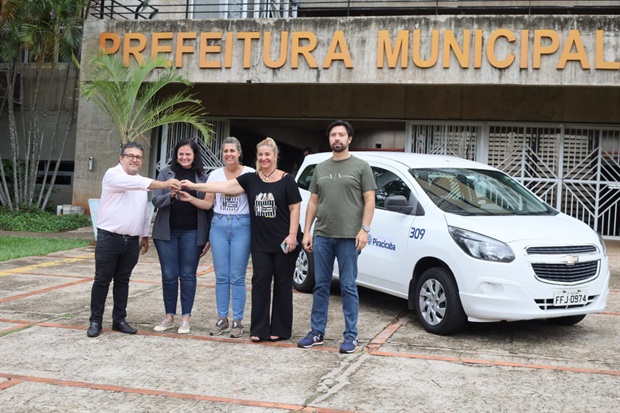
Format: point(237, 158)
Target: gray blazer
point(162, 201)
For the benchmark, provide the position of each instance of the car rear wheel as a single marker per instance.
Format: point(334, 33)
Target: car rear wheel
point(568, 320)
point(303, 277)
point(437, 302)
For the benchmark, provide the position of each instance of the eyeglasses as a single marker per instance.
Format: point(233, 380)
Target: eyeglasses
point(133, 157)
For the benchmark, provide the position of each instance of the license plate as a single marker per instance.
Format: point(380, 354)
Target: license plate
point(574, 297)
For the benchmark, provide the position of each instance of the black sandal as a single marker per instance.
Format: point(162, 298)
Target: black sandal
point(277, 338)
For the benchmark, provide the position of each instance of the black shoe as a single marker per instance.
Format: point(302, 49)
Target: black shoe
point(94, 330)
point(123, 327)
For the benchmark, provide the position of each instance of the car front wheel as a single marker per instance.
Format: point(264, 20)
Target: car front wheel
point(437, 302)
point(303, 277)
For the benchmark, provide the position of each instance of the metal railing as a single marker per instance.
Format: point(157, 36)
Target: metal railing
point(192, 9)
point(315, 8)
point(222, 9)
point(124, 10)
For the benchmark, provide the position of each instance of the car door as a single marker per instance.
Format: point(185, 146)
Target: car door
point(384, 263)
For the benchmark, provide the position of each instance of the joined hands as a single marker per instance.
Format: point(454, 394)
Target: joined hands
point(187, 184)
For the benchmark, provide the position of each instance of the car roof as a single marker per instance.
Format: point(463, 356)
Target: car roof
point(409, 160)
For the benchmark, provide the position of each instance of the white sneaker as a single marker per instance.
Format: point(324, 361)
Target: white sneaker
point(184, 327)
point(167, 324)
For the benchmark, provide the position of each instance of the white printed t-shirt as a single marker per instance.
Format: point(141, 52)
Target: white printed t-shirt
point(229, 204)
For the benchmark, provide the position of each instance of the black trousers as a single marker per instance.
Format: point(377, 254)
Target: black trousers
point(272, 319)
point(115, 258)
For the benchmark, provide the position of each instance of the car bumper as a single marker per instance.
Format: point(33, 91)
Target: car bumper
point(494, 299)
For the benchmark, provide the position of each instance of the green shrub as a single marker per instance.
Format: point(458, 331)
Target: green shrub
point(36, 220)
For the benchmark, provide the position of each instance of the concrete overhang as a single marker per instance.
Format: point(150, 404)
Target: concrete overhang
point(415, 50)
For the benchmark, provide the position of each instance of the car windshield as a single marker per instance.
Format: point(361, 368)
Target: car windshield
point(478, 192)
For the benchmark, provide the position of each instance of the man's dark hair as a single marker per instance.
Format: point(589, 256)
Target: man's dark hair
point(197, 166)
point(131, 144)
point(339, 122)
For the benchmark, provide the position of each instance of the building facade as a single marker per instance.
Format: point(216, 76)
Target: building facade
point(530, 87)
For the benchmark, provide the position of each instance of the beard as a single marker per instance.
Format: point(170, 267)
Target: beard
point(339, 147)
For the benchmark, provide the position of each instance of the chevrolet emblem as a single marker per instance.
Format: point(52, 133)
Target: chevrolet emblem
point(570, 259)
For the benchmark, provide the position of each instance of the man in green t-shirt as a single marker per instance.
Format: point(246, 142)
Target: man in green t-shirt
point(343, 202)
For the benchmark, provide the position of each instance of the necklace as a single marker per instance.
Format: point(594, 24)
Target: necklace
point(266, 177)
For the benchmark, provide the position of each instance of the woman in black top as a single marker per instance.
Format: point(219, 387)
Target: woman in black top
point(275, 204)
point(180, 234)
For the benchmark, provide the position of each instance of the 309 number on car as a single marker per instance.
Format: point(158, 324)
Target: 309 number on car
point(417, 233)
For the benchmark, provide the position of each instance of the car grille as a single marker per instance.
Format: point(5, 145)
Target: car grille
point(562, 250)
point(547, 304)
point(566, 274)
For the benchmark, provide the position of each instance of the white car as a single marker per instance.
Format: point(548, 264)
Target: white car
point(463, 241)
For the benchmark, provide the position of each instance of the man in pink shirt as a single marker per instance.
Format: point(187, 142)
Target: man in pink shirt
point(122, 234)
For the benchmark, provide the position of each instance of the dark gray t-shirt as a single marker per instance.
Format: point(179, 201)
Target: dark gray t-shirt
point(340, 186)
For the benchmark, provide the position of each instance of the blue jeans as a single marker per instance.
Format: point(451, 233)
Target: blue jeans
point(325, 250)
point(179, 259)
point(230, 247)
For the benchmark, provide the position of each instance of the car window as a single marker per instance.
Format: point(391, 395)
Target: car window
point(477, 192)
point(306, 177)
point(388, 184)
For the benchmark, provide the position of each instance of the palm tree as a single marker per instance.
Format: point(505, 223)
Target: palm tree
point(137, 104)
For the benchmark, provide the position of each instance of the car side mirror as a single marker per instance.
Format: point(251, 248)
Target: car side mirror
point(398, 203)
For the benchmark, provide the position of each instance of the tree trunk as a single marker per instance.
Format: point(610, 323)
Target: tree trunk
point(14, 140)
point(66, 137)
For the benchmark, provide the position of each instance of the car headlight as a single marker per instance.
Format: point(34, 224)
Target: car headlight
point(481, 247)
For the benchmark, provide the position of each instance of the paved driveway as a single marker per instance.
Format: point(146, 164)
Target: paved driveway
point(48, 364)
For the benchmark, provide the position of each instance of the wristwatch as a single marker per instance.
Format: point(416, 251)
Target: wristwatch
point(366, 228)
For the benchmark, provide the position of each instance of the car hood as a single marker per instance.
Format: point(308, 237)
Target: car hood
point(522, 228)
